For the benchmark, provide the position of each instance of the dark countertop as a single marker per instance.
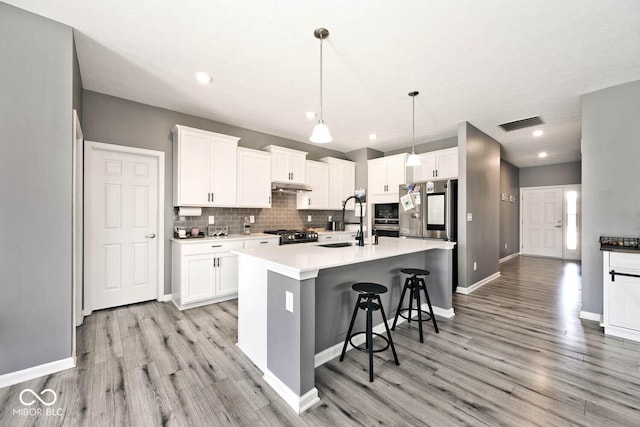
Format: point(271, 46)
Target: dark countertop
point(617, 248)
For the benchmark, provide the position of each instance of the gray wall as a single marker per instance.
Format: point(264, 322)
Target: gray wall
point(478, 194)
point(509, 211)
point(426, 147)
point(610, 190)
point(35, 184)
point(77, 85)
point(362, 166)
point(558, 174)
point(118, 121)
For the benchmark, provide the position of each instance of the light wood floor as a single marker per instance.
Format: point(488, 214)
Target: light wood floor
point(514, 354)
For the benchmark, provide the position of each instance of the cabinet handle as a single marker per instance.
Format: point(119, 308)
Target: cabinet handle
point(269, 199)
point(613, 275)
point(309, 202)
point(208, 197)
point(212, 197)
point(263, 243)
point(329, 237)
point(216, 246)
point(436, 173)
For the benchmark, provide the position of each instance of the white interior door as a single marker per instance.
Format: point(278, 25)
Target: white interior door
point(123, 229)
point(542, 221)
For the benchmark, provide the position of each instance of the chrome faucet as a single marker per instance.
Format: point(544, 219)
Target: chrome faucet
point(359, 235)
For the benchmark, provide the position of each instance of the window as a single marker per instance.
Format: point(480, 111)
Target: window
point(572, 220)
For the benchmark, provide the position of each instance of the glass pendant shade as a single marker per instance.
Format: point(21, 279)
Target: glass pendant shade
point(413, 160)
point(320, 134)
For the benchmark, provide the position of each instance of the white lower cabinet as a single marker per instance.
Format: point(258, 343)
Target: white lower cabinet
point(621, 305)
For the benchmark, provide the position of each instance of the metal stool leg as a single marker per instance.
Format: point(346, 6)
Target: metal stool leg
point(395, 319)
point(369, 336)
point(353, 319)
point(419, 306)
point(411, 297)
point(384, 319)
point(433, 317)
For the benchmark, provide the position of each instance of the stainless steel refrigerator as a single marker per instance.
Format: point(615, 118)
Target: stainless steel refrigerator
point(429, 210)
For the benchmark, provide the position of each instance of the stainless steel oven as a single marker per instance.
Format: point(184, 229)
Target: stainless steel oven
point(385, 219)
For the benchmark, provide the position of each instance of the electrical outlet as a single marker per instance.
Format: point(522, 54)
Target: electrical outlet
point(469, 216)
point(505, 246)
point(475, 266)
point(288, 301)
point(330, 218)
point(308, 218)
point(252, 219)
point(212, 219)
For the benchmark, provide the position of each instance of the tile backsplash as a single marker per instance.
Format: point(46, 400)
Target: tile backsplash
point(283, 214)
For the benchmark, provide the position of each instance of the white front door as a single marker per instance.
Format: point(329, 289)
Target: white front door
point(542, 221)
point(123, 227)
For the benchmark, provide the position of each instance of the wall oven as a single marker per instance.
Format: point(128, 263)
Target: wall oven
point(385, 219)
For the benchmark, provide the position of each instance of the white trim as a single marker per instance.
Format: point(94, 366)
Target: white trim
point(469, 289)
point(34, 372)
point(159, 155)
point(586, 315)
point(336, 350)
point(298, 403)
point(508, 257)
point(625, 333)
point(165, 298)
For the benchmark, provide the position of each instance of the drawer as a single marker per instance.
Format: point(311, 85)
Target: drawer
point(624, 260)
point(211, 247)
point(261, 242)
point(329, 237)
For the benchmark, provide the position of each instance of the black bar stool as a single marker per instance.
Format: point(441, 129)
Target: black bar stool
point(415, 284)
point(368, 294)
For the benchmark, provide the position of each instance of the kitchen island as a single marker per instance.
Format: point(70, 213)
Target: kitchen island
point(295, 302)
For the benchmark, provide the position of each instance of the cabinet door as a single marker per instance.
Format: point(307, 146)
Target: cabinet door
point(624, 301)
point(224, 173)
point(377, 176)
point(226, 274)
point(297, 167)
point(447, 163)
point(194, 167)
point(426, 170)
point(396, 172)
point(198, 281)
point(347, 184)
point(280, 166)
point(318, 179)
point(254, 179)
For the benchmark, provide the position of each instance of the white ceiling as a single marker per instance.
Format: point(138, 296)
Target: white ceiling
point(486, 62)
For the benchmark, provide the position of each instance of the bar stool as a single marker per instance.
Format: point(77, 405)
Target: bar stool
point(368, 294)
point(415, 284)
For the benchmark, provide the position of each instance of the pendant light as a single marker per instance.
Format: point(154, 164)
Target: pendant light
point(413, 159)
point(321, 134)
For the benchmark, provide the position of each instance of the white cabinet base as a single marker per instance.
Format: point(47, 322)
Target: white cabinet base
point(621, 302)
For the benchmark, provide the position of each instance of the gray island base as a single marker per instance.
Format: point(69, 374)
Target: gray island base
point(295, 303)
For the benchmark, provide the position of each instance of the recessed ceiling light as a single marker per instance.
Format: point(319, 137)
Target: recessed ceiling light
point(203, 78)
point(372, 136)
point(311, 115)
point(538, 132)
point(542, 154)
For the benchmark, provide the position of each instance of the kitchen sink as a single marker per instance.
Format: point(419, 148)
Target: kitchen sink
point(339, 244)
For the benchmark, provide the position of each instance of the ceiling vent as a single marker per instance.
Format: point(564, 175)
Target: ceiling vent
point(521, 124)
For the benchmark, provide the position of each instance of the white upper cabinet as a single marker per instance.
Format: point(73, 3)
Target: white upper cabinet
point(385, 174)
point(441, 164)
point(318, 179)
point(254, 178)
point(342, 181)
point(204, 168)
point(287, 165)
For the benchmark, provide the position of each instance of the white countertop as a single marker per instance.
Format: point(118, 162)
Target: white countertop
point(226, 238)
point(298, 259)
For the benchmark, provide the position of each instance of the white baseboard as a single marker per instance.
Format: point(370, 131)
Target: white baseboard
point(36, 372)
point(586, 315)
point(469, 289)
point(335, 350)
point(298, 403)
point(508, 257)
point(165, 298)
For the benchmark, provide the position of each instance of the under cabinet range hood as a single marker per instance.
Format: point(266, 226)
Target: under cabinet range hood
point(289, 187)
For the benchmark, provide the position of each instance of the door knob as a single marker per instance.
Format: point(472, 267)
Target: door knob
point(559, 226)
point(150, 236)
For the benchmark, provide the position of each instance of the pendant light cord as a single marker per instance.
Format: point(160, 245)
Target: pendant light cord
point(413, 146)
point(321, 115)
